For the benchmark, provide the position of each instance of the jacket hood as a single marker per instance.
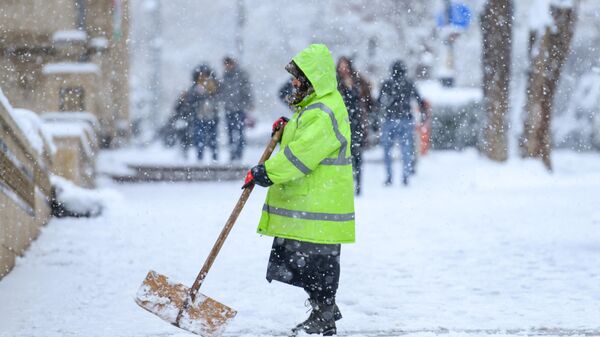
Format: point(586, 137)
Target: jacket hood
point(202, 70)
point(398, 70)
point(318, 66)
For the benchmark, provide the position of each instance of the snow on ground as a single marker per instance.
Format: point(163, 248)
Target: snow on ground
point(473, 247)
point(80, 201)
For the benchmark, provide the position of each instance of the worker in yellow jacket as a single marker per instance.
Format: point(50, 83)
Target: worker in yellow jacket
point(309, 208)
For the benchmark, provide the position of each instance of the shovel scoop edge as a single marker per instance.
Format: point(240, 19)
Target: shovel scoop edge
point(165, 299)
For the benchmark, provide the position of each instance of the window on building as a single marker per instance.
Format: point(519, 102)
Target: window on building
point(72, 99)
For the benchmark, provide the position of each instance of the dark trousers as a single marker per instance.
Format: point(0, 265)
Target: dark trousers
point(402, 132)
point(185, 131)
point(357, 167)
point(187, 139)
point(235, 133)
point(310, 266)
point(206, 136)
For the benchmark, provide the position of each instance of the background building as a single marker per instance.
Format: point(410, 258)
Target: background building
point(68, 56)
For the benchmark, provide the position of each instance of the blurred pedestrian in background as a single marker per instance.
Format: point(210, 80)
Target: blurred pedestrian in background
point(398, 121)
point(236, 96)
point(204, 102)
point(355, 98)
point(193, 122)
point(179, 127)
point(285, 92)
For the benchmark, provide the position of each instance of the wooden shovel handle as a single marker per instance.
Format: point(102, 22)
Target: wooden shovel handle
point(232, 218)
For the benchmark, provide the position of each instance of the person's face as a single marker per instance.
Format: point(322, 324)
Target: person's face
point(296, 83)
point(344, 68)
point(202, 79)
point(228, 66)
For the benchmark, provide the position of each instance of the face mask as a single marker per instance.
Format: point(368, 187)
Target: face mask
point(298, 94)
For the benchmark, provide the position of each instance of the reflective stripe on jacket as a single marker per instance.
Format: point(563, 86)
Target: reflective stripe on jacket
point(312, 198)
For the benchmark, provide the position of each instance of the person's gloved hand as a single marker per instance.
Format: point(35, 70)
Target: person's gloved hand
point(425, 111)
point(279, 124)
point(426, 106)
point(249, 181)
point(257, 175)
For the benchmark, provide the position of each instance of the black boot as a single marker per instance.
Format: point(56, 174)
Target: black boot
point(321, 320)
point(337, 315)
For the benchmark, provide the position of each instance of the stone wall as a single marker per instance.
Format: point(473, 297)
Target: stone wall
point(24, 190)
point(76, 141)
point(34, 21)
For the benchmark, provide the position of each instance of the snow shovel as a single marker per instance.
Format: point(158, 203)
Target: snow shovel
point(185, 307)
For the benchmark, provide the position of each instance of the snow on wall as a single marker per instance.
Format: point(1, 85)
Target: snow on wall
point(30, 125)
point(69, 116)
point(81, 130)
point(69, 35)
point(33, 128)
point(99, 42)
point(70, 68)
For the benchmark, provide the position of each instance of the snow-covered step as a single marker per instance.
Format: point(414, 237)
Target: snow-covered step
point(158, 173)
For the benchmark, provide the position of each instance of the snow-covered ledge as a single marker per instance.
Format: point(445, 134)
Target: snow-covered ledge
point(99, 43)
point(69, 36)
point(71, 68)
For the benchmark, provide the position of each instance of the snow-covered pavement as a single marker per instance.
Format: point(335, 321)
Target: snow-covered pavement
point(470, 248)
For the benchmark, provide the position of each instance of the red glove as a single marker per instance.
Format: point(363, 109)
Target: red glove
point(249, 181)
point(279, 124)
point(257, 175)
point(425, 111)
point(425, 105)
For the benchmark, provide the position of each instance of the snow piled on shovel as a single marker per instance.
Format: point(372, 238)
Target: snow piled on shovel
point(165, 299)
point(161, 306)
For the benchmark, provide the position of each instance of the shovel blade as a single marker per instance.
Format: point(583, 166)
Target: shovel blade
point(205, 317)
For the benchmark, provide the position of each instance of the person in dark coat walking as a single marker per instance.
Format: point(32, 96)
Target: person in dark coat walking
point(349, 87)
point(184, 120)
point(203, 100)
point(398, 121)
point(236, 96)
point(179, 127)
point(367, 104)
point(196, 113)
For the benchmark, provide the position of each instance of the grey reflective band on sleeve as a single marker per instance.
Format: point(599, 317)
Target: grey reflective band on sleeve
point(340, 160)
point(307, 215)
point(336, 161)
point(295, 161)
